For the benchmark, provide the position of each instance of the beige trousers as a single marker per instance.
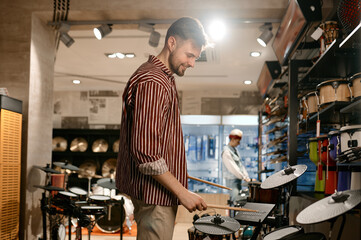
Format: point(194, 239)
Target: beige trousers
point(154, 222)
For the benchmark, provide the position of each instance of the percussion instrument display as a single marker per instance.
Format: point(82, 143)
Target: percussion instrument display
point(87, 169)
point(329, 207)
point(350, 137)
point(47, 169)
point(100, 145)
point(284, 176)
point(59, 144)
point(285, 232)
point(78, 144)
point(330, 31)
point(331, 174)
point(217, 225)
point(355, 81)
point(109, 168)
point(334, 144)
point(313, 150)
point(116, 146)
point(312, 102)
point(344, 180)
point(110, 223)
point(336, 90)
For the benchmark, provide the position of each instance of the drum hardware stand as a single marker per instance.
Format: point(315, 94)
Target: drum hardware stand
point(332, 221)
point(44, 208)
point(121, 217)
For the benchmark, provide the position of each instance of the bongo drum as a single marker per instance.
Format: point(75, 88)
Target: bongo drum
point(355, 81)
point(336, 90)
point(311, 103)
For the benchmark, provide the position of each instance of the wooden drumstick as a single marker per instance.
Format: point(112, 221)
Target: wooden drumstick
point(230, 208)
point(210, 183)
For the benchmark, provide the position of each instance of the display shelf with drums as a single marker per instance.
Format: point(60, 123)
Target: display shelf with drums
point(94, 151)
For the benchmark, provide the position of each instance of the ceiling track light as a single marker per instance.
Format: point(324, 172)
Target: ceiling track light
point(64, 36)
point(154, 38)
point(102, 31)
point(266, 35)
point(66, 39)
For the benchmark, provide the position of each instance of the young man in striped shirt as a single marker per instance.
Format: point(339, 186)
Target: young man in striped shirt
point(151, 165)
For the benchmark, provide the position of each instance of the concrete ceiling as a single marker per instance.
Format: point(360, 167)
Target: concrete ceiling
point(230, 65)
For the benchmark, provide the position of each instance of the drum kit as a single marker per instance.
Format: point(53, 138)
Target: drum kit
point(258, 214)
point(82, 208)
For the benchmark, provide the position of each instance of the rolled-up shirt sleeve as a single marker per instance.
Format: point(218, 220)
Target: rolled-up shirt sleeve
point(151, 104)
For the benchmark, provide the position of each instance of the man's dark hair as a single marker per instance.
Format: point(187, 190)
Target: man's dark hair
point(188, 28)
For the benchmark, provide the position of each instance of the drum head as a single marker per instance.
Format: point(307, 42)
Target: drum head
point(68, 194)
point(99, 198)
point(78, 191)
point(284, 232)
point(111, 223)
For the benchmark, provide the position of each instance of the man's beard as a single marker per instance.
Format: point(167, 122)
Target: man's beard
point(173, 68)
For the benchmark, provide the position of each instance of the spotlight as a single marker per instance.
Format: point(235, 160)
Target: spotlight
point(217, 30)
point(154, 39)
point(266, 35)
point(247, 82)
point(66, 39)
point(102, 31)
point(255, 54)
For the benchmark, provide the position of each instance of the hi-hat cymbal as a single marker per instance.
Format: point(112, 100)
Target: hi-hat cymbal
point(284, 176)
point(47, 169)
point(107, 183)
point(59, 144)
point(217, 225)
point(49, 188)
point(87, 169)
point(330, 207)
point(100, 145)
point(109, 168)
point(66, 165)
point(78, 144)
point(116, 146)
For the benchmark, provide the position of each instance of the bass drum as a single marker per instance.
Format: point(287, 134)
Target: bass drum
point(110, 223)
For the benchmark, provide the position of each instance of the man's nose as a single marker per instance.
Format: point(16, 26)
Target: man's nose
point(191, 62)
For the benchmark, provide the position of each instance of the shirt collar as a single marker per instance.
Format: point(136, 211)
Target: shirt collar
point(154, 60)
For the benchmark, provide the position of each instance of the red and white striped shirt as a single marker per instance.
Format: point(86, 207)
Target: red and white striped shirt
point(151, 138)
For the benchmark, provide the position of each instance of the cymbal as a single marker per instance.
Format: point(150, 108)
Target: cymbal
point(59, 144)
point(283, 176)
point(116, 146)
point(78, 144)
point(47, 169)
point(107, 183)
point(50, 188)
point(88, 169)
point(66, 165)
point(330, 207)
point(100, 145)
point(109, 168)
point(217, 225)
point(265, 170)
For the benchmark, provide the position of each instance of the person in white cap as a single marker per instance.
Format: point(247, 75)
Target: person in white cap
point(232, 169)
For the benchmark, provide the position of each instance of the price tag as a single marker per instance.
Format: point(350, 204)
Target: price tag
point(318, 127)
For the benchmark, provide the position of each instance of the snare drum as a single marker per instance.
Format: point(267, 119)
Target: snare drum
point(284, 233)
point(80, 192)
point(355, 80)
point(99, 200)
point(336, 90)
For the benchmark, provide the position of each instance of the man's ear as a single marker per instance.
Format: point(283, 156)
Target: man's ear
point(171, 43)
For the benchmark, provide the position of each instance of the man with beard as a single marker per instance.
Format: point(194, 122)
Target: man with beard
point(151, 165)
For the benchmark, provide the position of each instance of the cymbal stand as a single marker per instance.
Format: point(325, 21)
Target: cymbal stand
point(89, 185)
point(43, 206)
point(121, 217)
point(332, 221)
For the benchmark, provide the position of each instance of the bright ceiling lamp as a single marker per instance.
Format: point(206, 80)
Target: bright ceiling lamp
point(266, 35)
point(255, 54)
point(217, 30)
point(247, 82)
point(102, 31)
